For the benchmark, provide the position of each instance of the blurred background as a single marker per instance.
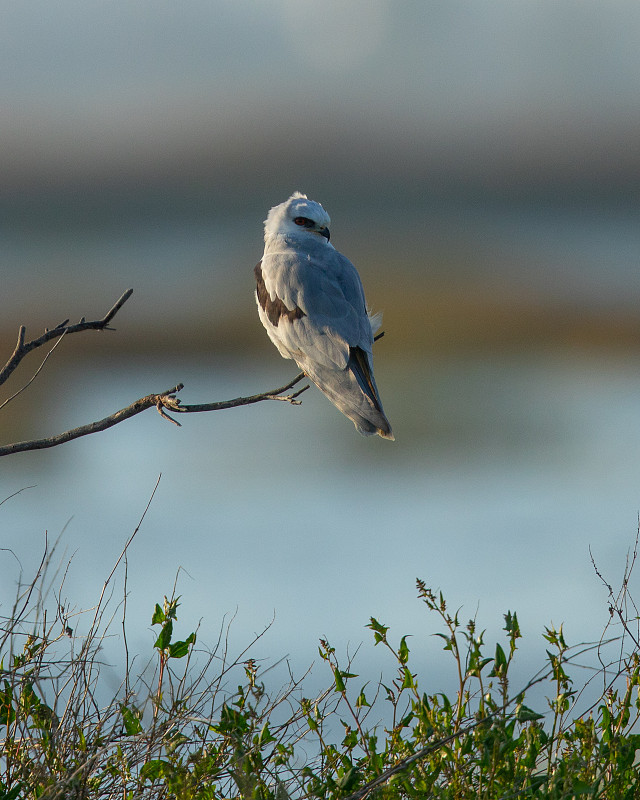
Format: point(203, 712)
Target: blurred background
point(480, 162)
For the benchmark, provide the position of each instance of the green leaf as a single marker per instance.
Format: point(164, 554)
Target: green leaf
point(351, 737)
point(362, 700)
point(164, 640)
point(348, 780)
point(477, 664)
point(379, 630)
point(403, 652)
point(447, 639)
point(340, 687)
point(171, 607)
point(446, 703)
point(7, 712)
point(580, 787)
point(158, 616)
point(511, 624)
point(405, 721)
point(180, 649)
point(524, 714)
point(408, 682)
point(131, 720)
point(156, 769)
point(265, 735)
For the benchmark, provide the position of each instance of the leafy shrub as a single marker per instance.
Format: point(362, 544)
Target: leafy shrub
point(197, 723)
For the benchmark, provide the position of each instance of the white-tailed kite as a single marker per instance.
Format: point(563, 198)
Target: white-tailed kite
point(311, 302)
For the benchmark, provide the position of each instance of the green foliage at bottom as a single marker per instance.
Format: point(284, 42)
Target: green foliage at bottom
point(178, 731)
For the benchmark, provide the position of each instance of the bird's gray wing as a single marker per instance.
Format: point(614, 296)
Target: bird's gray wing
point(332, 316)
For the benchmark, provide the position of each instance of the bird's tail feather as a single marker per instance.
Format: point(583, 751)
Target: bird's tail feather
point(359, 365)
point(353, 391)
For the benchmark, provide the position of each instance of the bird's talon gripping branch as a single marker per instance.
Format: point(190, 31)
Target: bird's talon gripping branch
point(160, 406)
point(169, 401)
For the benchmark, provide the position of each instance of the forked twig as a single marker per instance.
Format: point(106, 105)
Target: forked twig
point(23, 348)
point(34, 376)
point(163, 402)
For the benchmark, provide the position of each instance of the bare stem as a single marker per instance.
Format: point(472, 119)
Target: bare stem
point(164, 400)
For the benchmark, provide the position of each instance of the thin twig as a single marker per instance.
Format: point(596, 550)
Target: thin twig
point(23, 348)
point(173, 403)
point(33, 486)
point(616, 603)
point(164, 400)
point(35, 374)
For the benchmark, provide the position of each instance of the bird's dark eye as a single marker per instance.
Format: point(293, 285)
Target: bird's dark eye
point(304, 222)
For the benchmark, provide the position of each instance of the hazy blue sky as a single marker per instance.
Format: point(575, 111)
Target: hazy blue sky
point(410, 55)
point(102, 83)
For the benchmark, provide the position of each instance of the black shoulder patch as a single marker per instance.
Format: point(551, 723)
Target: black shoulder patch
point(274, 309)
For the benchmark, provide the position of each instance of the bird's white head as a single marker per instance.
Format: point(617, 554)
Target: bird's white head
point(297, 216)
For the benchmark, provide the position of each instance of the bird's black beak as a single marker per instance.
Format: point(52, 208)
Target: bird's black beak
point(325, 233)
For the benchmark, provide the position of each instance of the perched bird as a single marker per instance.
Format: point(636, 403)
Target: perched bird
point(311, 302)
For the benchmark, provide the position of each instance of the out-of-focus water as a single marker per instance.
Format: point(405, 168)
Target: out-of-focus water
point(507, 466)
point(190, 264)
point(505, 471)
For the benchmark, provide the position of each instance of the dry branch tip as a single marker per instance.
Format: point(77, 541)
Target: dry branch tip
point(289, 398)
point(160, 408)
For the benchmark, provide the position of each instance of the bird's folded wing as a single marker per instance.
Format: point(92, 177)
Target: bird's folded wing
point(330, 295)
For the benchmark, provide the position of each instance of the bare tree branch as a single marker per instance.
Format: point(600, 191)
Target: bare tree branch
point(172, 403)
point(162, 401)
point(23, 348)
